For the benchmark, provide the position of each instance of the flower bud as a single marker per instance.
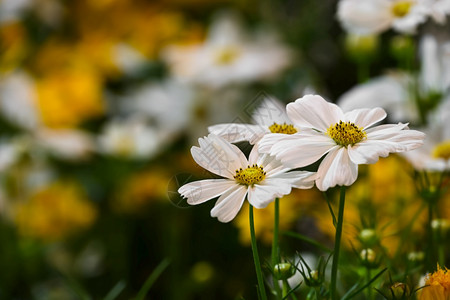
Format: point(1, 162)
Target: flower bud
point(368, 237)
point(416, 256)
point(361, 47)
point(283, 271)
point(399, 290)
point(368, 257)
point(440, 225)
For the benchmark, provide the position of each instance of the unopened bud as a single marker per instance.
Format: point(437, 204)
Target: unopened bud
point(361, 47)
point(399, 290)
point(283, 271)
point(416, 256)
point(441, 225)
point(368, 236)
point(368, 255)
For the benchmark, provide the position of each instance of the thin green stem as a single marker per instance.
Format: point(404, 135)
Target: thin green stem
point(369, 290)
point(275, 252)
point(337, 244)
point(363, 71)
point(259, 275)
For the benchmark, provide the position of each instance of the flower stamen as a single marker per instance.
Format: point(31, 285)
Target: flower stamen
point(442, 150)
point(346, 133)
point(226, 55)
point(282, 128)
point(251, 175)
point(401, 8)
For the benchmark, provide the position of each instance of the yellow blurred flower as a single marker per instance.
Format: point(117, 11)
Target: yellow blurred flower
point(69, 97)
point(128, 23)
point(140, 190)
point(54, 212)
point(437, 286)
point(292, 207)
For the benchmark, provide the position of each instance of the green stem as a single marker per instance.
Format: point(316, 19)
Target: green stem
point(363, 71)
point(259, 276)
point(369, 290)
point(337, 243)
point(285, 288)
point(275, 256)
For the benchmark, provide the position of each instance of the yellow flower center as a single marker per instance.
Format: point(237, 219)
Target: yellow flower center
point(442, 150)
point(282, 128)
point(251, 175)
point(346, 133)
point(226, 55)
point(401, 8)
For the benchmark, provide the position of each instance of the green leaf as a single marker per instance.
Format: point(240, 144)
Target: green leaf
point(115, 291)
point(152, 278)
point(351, 293)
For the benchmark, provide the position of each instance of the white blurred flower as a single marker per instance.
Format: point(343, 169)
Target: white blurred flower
point(18, 100)
point(131, 138)
point(128, 59)
point(434, 155)
point(11, 10)
point(10, 152)
point(70, 144)
point(228, 56)
point(376, 16)
point(168, 103)
point(49, 11)
point(390, 92)
point(260, 178)
point(394, 91)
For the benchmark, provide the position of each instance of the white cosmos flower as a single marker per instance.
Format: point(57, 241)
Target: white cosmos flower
point(228, 56)
point(376, 16)
point(393, 91)
point(261, 178)
point(269, 117)
point(344, 139)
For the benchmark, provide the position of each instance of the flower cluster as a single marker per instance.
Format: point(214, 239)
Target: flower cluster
point(343, 140)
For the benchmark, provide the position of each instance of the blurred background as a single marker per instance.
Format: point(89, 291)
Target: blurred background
point(100, 102)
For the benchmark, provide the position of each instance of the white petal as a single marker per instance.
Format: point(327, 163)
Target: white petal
point(369, 151)
point(312, 111)
point(307, 148)
point(270, 111)
point(218, 156)
point(260, 195)
point(397, 134)
point(200, 191)
point(270, 139)
point(234, 133)
point(272, 165)
point(297, 179)
point(229, 204)
point(365, 117)
point(336, 169)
